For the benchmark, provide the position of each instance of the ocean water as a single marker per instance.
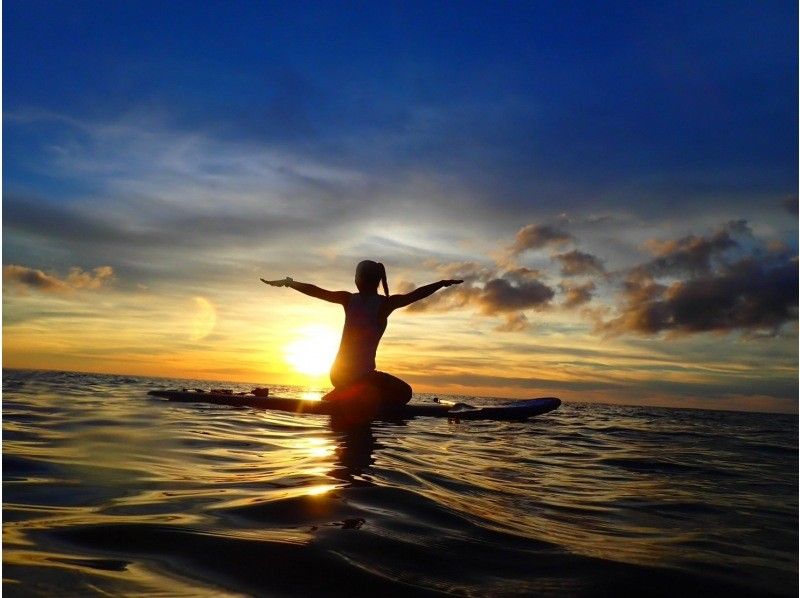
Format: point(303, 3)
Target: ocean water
point(109, 491)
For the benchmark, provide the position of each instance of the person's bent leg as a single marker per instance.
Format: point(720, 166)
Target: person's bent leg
point(374, 391)
point(353, 391)
point(393, 391)
point(355, 403)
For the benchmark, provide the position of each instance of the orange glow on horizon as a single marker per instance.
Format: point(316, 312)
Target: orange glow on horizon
point(288, 339)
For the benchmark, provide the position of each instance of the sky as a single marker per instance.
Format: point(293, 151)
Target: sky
point(615, 182)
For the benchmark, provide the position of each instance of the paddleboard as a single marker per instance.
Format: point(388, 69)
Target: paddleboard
point(512, 410)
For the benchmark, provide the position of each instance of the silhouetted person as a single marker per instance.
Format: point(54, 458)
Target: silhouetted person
point(353, 374)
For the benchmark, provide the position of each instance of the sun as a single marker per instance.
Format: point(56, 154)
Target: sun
point(313, 351)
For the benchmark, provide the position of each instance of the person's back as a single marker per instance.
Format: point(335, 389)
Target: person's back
point(364, 325)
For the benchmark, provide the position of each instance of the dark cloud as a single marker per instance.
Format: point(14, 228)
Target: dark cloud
point(725, 281)
point(35, 279)
point(51, 283)
point(692, 254)
point(790, 204)
point(501, 295)
point(537, 236)
point(452, 298)
point(752, 294)
point(577, 294)
point(522, 274)
point(507, 294)
point(577, 263)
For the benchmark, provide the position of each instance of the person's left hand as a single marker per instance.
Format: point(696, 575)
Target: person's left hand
point(449, 283)
point(277, 283)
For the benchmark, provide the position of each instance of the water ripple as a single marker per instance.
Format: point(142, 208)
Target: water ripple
point(107, 490)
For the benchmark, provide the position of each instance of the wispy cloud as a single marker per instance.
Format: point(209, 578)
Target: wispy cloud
point(31, 278)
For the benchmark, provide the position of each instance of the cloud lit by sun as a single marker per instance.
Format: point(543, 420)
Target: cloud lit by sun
point(313, 349)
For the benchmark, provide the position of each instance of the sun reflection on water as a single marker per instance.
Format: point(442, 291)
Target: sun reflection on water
point(318, 447)
point(320, 489)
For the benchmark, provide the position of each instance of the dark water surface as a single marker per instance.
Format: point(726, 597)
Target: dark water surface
point(109, 491)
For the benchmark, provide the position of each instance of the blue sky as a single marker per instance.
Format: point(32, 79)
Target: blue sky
point(200, 143)
point(530, 102)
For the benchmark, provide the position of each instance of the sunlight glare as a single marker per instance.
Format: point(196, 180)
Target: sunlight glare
point(313, 350)
point(204, 318)
point(320, 489)
point(318, 447)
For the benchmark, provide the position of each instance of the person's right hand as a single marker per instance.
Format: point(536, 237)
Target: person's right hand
point(277, 283)
point(449, 283)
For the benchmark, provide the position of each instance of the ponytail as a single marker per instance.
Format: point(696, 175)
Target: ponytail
point(383, 279)
point(369, 274)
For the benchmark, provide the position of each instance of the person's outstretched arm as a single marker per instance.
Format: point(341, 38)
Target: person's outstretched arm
point(311, 290)
point(398, 301)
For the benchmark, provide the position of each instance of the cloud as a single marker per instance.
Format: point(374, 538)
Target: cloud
point(35, 279)
point(468, 271)
point(78, 279)
point(501, 295)
point(577, 294)
point(514, 323)
point(490, 293)
point(755, 293)
point(511, 291)
point(724, 280)
point(171, 226)
point(51, 283)
point(692, 254)
point(169, 242)
point(159, 203)
point(577, 263)
point(522, 274)
point(453, 298)
point(537, 236)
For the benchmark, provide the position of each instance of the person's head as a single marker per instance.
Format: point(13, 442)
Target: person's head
point(368, 275)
